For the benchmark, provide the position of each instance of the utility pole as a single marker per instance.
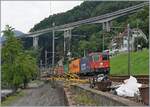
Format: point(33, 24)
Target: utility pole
point(137, 34)
point(45, 59)
point(70, 40)
point(40, 63)
point(103, 40)
point(64, 45)
point(128, 28)
point(53, 60)
point(40, 69)
point(69, 56)
point(84, 52)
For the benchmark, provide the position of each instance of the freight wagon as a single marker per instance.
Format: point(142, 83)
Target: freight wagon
point(59, 70)
point(85, 66)
point(74, 66)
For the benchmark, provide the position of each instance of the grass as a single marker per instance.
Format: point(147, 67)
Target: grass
point(36, 81)
point(9, 100)
point(84, 100)
point(139, 63)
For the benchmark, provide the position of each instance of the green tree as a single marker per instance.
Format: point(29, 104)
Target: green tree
point(10, 50)
point(27, 66)
point(93, 43)
point(83, 46)
point(140, 41)
point(18, 66)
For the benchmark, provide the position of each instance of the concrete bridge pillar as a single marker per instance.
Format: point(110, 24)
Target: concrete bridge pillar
point(65, 34)
point(35, 41)
point(107, 25)
point(104, 25)
point(67, 41)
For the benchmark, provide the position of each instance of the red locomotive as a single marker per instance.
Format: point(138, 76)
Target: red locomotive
point(99, 62)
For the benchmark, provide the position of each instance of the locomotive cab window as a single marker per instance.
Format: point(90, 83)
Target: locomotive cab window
point(105, 57)
point(95, 57)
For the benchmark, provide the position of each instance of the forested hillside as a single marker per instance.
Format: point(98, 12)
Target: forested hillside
point(85, 10)
point(92, 39)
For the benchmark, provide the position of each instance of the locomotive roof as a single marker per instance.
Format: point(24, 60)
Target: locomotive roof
point(94, 53)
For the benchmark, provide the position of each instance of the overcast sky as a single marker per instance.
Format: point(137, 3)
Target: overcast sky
point(23, 15)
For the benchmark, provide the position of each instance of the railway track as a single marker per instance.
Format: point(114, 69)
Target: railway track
point(144, 79)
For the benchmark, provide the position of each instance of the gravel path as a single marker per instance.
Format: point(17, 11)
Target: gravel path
point(42, 96)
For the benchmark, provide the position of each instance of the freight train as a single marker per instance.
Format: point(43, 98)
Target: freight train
point(93, 63)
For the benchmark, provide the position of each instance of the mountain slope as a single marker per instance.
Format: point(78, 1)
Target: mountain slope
point(17, 33)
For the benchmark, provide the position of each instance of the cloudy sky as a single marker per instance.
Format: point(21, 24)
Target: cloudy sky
point(23, 15)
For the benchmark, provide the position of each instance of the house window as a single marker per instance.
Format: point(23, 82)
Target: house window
point(125, 45)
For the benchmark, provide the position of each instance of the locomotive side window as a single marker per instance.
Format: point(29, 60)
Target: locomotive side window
point(105, 57)
point(90, 58)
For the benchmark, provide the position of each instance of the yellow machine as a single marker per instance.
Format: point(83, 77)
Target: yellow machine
point(74, 78)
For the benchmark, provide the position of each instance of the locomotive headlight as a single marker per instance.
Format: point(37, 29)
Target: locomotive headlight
point(101, 64)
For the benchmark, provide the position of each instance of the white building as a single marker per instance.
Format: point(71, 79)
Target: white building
point(120, 42)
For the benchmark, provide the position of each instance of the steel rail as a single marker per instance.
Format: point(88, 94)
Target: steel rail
point(144, 79)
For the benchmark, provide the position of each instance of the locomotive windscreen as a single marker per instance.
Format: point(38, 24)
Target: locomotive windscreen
point(95, 57)
point(105, 57)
